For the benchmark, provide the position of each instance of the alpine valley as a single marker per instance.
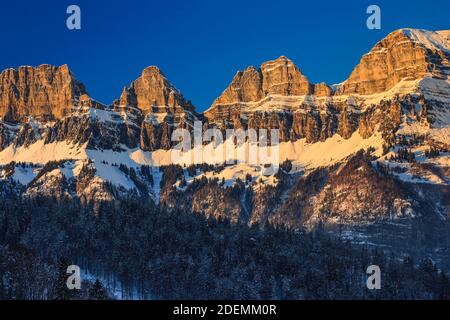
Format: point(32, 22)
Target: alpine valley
point(364, 179)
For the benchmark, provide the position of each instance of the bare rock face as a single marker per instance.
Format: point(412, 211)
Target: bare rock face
point(404, 54)
point(321, 90)
point(162, 109)
point(145, 115)
point(151, 90)
point(282, 77)
point(347, 123)
point(42, 92)
point(277, 77)
point(272, 98)
point(244, 103)
point(275, 96)
point(246, 86)
point(278, 96)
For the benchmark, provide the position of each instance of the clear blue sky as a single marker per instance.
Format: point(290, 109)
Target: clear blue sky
point(200, 44)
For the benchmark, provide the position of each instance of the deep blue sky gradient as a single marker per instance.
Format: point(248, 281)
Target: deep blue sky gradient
point(200, 44)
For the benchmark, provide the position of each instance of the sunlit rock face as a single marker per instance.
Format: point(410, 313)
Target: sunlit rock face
point(359, 155)
point(161, 107)
point(409, 69)
point(404, 54)
point(44, 91)
point(277, 77)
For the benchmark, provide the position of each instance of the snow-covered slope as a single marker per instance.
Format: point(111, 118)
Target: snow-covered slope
point(433, 40)
point(401, 117)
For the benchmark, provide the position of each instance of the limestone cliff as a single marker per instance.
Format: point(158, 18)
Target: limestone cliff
point(44, 92)
point(405, 54)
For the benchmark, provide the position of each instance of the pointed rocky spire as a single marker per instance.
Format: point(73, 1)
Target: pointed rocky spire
point(152, 89)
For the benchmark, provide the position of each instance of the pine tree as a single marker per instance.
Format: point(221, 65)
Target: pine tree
point(60, 289)
point(97, 292)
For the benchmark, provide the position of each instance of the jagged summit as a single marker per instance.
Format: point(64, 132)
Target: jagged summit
point(151, 70)
point(152, 89)
point(405, 57)
point(160, 107)
point(43, 91)
point(275, 95)
point(405, 54)
point(276, 77)
point(280, 61)
point(407, 64)
point(364, 162)
point(42, 67)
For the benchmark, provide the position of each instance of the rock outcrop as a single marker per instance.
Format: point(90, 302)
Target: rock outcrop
point(46, 92)
point(152, 92)
point(405, 54)
point(162, 108)
point(279, 96)
point(277, 77)
point(387, 184)
point(275, 96)
point(271, 98)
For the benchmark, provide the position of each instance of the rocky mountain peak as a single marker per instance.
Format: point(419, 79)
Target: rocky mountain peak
point(405, 54)
point(152, 90)
point(433, 40)
point(283, 77)
point(152, 71)
point(282, 61)
point(160, 106)
point(276, 77)
point(43, 92)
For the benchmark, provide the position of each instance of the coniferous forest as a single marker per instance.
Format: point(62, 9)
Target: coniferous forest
point(158, 254)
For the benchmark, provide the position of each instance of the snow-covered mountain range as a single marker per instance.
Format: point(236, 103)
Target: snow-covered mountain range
point(369, 154)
